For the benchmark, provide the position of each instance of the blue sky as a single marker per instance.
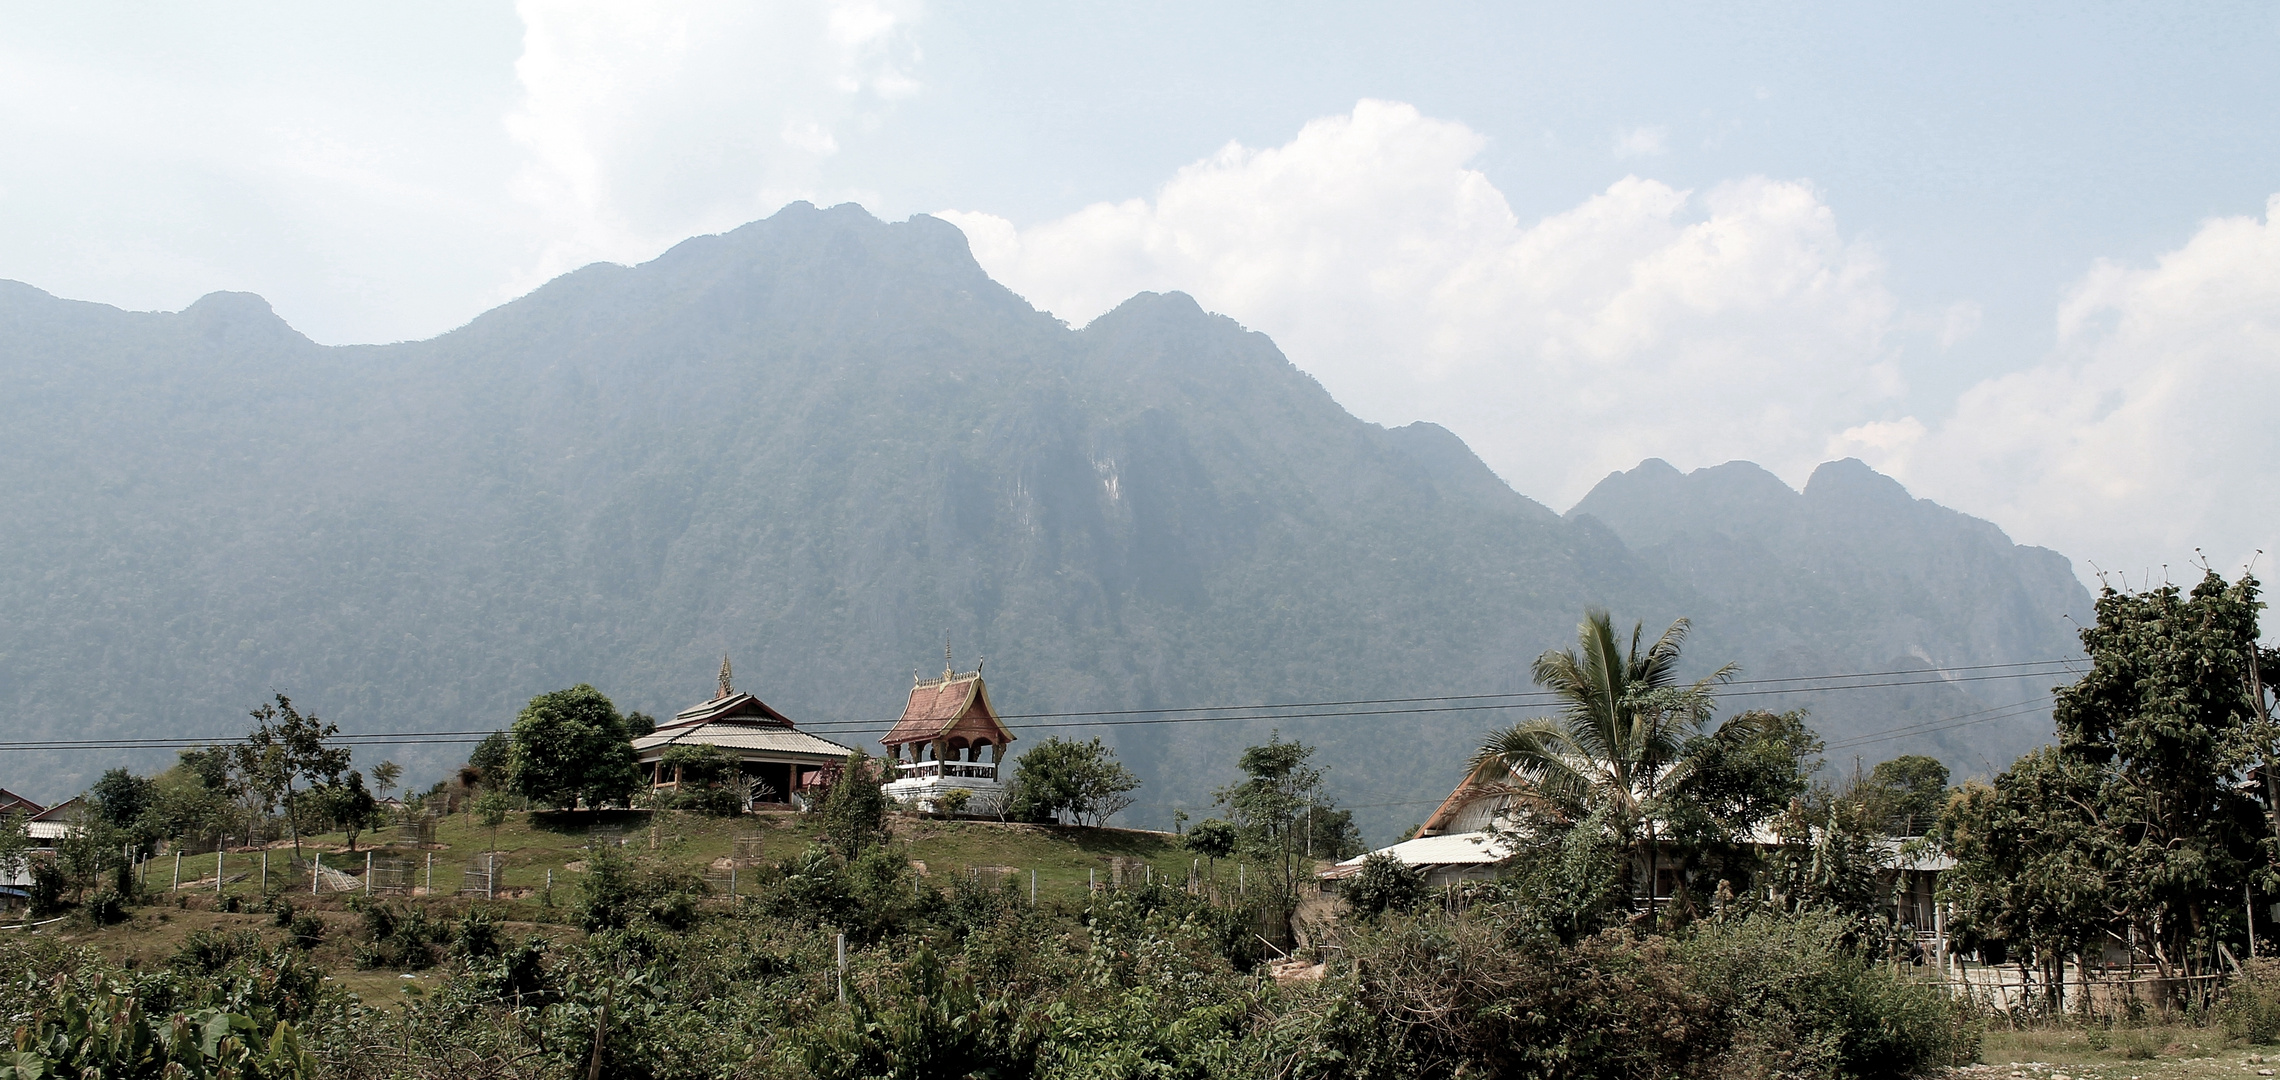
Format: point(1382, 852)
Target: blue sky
point(2020, 257)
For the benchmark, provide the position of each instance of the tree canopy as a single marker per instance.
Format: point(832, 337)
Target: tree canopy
point(1066, 780)
point(2138, 816)
point(570, 746)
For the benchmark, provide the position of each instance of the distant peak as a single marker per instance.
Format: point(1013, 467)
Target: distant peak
point(1852, 478)
point(231, 305)
point(239, 317)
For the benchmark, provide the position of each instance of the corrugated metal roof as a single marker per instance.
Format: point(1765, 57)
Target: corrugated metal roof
point(731, 736)
point(1455, 849)
point(737, 704)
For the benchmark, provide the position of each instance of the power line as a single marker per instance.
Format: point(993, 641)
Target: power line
point(1149, 717)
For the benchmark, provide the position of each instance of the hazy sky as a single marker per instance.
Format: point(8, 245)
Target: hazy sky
point(2023, 259)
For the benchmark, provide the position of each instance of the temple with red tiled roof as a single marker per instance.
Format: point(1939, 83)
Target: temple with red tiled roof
point(938, 745)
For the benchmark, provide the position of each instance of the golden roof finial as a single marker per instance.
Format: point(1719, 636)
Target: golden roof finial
point(726, 688)
point(948, 669)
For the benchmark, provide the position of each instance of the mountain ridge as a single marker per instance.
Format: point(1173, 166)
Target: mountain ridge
point(821, 442)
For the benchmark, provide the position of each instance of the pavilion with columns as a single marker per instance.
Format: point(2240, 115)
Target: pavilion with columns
point(949, 738)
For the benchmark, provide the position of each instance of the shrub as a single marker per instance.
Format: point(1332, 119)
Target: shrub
point(933, 1024)
point(308, 929)
point(400, 939)
point(615, 894)
point(207, 952)
point(1383, 884)
point(105, 908)
point(2251, 1007)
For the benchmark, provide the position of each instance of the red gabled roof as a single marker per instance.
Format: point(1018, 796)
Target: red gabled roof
point(12, 803)
point(952, 703)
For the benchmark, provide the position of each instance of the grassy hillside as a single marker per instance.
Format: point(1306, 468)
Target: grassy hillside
point(537, 848)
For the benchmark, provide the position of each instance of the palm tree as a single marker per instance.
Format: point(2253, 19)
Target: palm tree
point(1621, 737)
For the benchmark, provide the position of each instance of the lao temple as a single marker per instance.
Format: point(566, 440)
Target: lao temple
point(949, 738)
point(764, 744)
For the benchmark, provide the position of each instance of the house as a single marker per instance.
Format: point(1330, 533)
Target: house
point(55, 822)
point(764, 744)
point(12, 803)
point(1468, 834)
point(938, 744)
point(1446, 859)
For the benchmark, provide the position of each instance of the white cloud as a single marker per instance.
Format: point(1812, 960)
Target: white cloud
point(1648, 321)
point(2148, 432)
point(647, 123)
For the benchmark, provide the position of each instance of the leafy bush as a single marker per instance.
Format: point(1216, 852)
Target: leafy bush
point(105, 908)
point(615, 893)
point(2251, 1007)
point(88, 1028)
point(1383, 884)
point(934, 1023)
point(209, 952)
point(401, 938)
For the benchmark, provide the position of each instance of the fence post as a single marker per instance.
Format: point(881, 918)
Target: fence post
point(491, 876)
point(731, 879)
point(316, 871)
point(177, 871)
point(264, 873)
point(843, 967)
point(217, 869)
point(431, 873)
point(367, 873)
point(1033, 888)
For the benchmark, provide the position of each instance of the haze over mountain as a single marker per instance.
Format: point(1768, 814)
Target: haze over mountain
point(819, 443)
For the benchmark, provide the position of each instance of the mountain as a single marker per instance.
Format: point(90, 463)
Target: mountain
point(821, 444)
point(1853, 574)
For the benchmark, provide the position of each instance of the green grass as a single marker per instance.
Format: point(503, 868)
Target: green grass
point(535, 845)
point(2179, 1052)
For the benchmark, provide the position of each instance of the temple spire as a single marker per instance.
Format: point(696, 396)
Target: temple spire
point(726, 688)
point(948, 669)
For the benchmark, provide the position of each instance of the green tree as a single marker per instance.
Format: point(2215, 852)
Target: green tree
point(1273, 807)
point(489, 758)
point(1738, 778)
point(1903, 796)
point(1623, 738)
point(384, 777)
point(195, 802)
point(15, 845)
point(1063, 779)
point(1384, 883)
point(1214, 839)
point(347, 805)
point(2137, 816)
point(706, 780)
point(285, 754)
point(570, 745)
point(120, 797)
point(855, 808)
point(2034, 867)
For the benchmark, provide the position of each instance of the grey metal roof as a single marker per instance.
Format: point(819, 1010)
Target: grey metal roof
point(744, 737)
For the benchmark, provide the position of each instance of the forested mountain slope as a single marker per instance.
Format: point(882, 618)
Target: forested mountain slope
point(819, 443)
